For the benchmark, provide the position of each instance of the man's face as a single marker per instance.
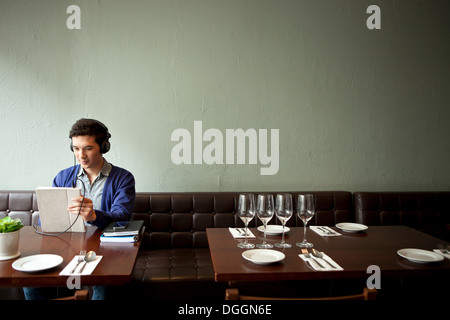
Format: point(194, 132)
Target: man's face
point(87, 152)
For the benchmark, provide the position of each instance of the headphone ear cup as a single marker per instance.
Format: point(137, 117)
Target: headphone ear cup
point(71, 146)
point(105, 147)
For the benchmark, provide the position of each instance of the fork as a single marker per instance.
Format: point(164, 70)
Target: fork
point(443, 249)
point(323, 230)
point(326, 230)
point(80, 260)
point(242, 231)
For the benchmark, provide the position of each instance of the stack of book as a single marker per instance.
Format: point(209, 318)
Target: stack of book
point(124, 231)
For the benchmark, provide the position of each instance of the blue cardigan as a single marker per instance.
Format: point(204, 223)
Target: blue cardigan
point(118, 194)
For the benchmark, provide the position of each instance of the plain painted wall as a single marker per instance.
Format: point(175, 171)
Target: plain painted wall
point(356, 109)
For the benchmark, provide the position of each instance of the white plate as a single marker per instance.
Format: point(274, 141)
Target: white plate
point(351, 227)
point(37, 262)
point(419, 255)
point(274, 229)
point(263, 256)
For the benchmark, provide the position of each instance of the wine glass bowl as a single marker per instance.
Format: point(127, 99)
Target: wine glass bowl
point(283, 211)
point(246, 211)
point(305, 211)
point(264, 211)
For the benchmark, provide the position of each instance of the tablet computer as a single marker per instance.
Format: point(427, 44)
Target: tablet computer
point(52, 204)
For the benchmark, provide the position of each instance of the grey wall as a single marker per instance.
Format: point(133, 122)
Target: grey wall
point(356, 109)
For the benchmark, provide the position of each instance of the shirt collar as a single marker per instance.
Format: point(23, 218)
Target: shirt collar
point(105, 171)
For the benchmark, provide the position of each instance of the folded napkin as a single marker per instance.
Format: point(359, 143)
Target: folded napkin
point(88, 269)
point(447, 255)
point(239, 233)
point(319, 264)
point(325, 231)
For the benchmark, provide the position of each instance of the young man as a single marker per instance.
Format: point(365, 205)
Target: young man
point(109, 191)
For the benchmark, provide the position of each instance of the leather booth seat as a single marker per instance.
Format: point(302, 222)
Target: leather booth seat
point(428, 212)
point(179, 220)
point(19, 204)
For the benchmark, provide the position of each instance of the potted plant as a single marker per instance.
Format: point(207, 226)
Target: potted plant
point(9, 238)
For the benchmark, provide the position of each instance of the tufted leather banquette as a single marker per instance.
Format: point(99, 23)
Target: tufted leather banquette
point(428, 212)
point(179, 220)
point(19, 204)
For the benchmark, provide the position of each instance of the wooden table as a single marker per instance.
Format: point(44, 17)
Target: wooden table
point(115, 268)
point(354, 252)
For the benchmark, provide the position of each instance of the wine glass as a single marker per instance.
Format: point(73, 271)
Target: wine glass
point(264, 211)
point(283, 211)
point(305, 211)
point(246, 211)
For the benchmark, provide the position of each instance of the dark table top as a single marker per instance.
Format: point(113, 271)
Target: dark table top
point(115, 267)
point(354, 252)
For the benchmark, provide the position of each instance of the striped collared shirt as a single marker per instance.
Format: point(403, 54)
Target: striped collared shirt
point(94, 191)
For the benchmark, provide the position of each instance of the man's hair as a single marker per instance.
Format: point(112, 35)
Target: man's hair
point(90, 127)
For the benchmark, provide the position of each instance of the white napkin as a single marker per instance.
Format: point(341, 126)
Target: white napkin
point(325, 231)
point(90, 266)
point(239, 233)
point(312, 261)
point(447, 255)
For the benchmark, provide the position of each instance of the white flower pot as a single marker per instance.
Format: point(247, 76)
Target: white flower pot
point(9, 245)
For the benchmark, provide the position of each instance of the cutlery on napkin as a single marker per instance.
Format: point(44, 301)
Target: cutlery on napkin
point(445, 254)
point(324, 231)
point(88, 269)
point(319, 264)
point(239, 233)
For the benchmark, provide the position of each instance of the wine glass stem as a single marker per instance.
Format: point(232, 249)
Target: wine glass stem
point(304, 232)
point(264, 242)
point(246, 227)
point(282, 235)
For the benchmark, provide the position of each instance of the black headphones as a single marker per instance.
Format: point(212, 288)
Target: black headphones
point(105, 146)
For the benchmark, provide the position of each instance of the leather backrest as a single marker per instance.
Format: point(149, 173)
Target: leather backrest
point(176, 220)
point(425, 211)
point(19, 204)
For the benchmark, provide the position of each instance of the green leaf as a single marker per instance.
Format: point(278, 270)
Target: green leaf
point(7, 224)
